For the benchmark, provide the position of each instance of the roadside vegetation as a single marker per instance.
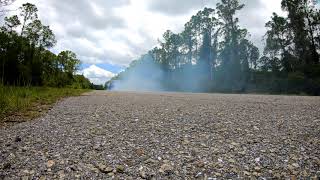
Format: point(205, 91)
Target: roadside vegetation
point(31, 101)
point(25, 56)
point(31, 76)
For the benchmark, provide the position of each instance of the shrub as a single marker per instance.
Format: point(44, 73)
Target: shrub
point(296, 82)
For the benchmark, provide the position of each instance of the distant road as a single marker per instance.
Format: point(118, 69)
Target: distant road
point(131, 135)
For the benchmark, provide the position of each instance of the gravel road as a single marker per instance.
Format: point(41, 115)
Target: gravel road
point(127, 135)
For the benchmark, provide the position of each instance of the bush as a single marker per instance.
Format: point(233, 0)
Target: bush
point(80, 82)
point(313, 87)
point(296, 83)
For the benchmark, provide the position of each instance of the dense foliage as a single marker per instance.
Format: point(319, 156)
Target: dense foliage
point(25, 58)
point(213, 54)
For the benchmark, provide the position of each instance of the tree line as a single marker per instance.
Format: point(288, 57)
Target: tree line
point(214, 54)
point(25, 58)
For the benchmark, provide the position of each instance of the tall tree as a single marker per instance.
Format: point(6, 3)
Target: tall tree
point(300, 20)
point(232, 34)
point(40, 35)
point(170, 49)
point(249, 55)
point(279, 39)
point(188, 42)
point(208, 29)
point(254, 56)
point(28, 14)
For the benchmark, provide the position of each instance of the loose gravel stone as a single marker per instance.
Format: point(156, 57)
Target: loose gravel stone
point(17, 139)
point(120, 169)
point(103, 168)
point(166, 169)
point(143, 174)
point(106, 135)
point(50, 163)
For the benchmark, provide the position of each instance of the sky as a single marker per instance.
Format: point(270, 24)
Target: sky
point(108, 34)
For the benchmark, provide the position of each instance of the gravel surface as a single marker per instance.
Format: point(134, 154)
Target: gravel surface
point(126, 135)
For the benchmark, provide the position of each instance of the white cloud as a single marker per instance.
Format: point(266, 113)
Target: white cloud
point(97, 75)
point(118, 31)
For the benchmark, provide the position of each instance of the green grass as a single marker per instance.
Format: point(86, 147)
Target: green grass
point(29, 101)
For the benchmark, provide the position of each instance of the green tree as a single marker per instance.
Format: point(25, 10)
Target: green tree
point(232, 36)
point(254, 56)
point(279, 40)
point(11, 23)
point(170, 50)
point(28, 12)
point(40, 35)
point(188, 42)
point(300, 13)
point(68, 62)
point(208, 51)
point(24, 57)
